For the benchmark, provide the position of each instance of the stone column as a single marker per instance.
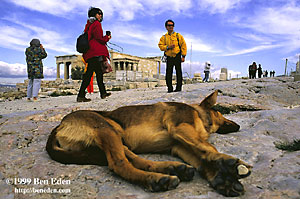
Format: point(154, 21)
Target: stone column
point(58, 71)
point(65, 71)
point(130, 66)
point(135, 66)
point(159, 66)
point(68, 69)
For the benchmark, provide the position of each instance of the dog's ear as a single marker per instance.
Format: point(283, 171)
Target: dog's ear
point(210, 100)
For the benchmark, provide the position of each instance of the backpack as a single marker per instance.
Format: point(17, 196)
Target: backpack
point(82, 44)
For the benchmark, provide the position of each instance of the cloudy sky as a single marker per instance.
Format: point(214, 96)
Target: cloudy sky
point(228, 33)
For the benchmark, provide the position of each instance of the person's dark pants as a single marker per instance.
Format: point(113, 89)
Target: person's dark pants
point(94, 65)
point(171, 62)
point(206, 76)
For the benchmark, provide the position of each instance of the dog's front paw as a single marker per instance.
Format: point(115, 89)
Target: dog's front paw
point(163, 184)
point(183, 172)
point(227, 175)
point(227, 186)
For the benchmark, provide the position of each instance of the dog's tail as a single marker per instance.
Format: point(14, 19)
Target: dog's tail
point(91, 155)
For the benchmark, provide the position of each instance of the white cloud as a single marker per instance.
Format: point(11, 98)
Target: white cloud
point(141, 36)
point(8, 38)
point(234, 74)
point(50, 39)
point(134, 35)
point(54, 7)
point(13, 70)
point(20, 70)
point(198, 44)
point(220, 6)
point(277, 26)
point(126, 10)
point(156, 7)
point(294, 59)
point(251, 37)
point(252, 50)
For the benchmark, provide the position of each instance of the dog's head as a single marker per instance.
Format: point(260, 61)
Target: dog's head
point(219, 123)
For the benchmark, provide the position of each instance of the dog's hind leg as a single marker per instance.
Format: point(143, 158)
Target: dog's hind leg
point(221, 170)
point(110, 142)
point(183, 171)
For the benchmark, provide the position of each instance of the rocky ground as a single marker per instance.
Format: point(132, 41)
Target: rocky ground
point(268, 111)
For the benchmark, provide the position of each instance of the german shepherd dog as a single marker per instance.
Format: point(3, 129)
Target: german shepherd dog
point(113, 137)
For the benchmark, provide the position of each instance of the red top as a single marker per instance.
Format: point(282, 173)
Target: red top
point(96, 41)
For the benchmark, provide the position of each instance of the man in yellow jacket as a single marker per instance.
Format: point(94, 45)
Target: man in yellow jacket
point(174, 46)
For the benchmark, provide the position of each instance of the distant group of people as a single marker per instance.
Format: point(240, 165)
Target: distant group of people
point(253, 69)
point(265, 73)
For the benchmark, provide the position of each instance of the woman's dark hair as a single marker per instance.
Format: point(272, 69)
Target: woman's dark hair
point(93, 11)
point(169, 20)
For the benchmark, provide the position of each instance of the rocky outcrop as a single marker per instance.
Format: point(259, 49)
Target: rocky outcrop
point(268, 111)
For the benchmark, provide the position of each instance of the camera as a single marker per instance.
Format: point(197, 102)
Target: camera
point(108, 32)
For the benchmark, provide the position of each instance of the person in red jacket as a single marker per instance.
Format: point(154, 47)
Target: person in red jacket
point(96, 55)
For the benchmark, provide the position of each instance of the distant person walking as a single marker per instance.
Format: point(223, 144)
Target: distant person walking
point(97, 54)
point(34, 55)
point(206, 71)
point(175, 49)
point(254, 69)
point(259, 71)
point(250, 71)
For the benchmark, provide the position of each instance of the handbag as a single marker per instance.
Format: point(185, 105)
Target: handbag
point(164, 58)
point(106, 67)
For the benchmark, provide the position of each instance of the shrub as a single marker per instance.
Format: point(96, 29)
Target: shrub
point(288, 146)
point(76, 73)
point(56, 94)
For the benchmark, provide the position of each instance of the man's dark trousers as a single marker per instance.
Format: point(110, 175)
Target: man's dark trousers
point(171, 62)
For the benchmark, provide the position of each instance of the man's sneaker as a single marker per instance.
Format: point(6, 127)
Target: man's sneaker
point(83, 99)
point(105, 95)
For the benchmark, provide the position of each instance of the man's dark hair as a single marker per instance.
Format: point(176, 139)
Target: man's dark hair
point(169, 20)
point(93, 11)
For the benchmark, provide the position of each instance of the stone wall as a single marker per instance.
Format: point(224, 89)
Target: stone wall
point(147, 66)
point(223, 74)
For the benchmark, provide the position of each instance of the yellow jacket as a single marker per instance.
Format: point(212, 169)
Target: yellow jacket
point(168, 40)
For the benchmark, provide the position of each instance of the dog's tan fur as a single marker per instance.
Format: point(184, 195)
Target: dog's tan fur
point(111, 138)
